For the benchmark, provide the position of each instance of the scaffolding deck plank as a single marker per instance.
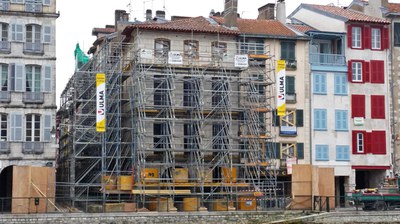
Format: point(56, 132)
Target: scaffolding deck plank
point(161, 192)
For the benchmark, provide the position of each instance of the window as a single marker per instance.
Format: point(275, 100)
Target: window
point(288, 150)
point(369, 142)
point(342, 153)
point(376, 38)
point(16, 127)
point(288, 123)
point(356, 37)
point(321, 152)
point(249, 46)
point(32, 128)
point(161, 96)
point(33, 5)
point(340, 84)
point(17, 32)
point(161, 133)
point(377, 71)
point(191, 48)
point(161, 47)
point(4, 32)
point(360, 142)
point(33, 33)
point(288, 52)
point(220, 136)
point(320, 119)
point(218, 50)
point(377, 107)
point(356, 69)
point(319, 83)
point(33, 78)
point(358, 106)
point(290, 89)
point(341, 123)
point(3, 127)
point(188, 92)
point(220, 91)
point(396, 31)
point(4, 77)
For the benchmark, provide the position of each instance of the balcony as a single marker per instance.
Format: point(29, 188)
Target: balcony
point(290, 131)
point(32, 148)
point(327, 59)
point(33, 7)
point(33, 48)
point(33, 97)
point(4, 5)
point(291, 98)
point(5, 97)
point(291, 64)
point(4, 147)
point(5, 47)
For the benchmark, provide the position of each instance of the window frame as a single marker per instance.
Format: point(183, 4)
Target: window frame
point(33, 127)
point(396, 34)
point(161, 47)
point(288, 150)
point(5, 32)
point(357, 77)
point(340, 84)
point(191, 49)
point(342, 153)
point(356, 37)
point(321, 121)
point(360, 142)
point(320, 83)
point(376, 39)
point(35, 80)
point(343, 123)
point(3, 127)
point(4, 77)
point(321, 152)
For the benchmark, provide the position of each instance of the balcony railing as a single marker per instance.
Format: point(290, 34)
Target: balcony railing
point(4, 147)
point(33, 7)
point(36, 48)
point(291, 64)
point(291, 98)
point(327, 59)
point(5, 46)
point(4, 5)
point(33, 148)
point(288, 130)
point(33, 97)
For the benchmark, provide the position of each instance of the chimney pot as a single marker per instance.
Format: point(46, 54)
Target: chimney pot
point(230, 13)
point(160, 14)
point(149, 14)
point(267, 11)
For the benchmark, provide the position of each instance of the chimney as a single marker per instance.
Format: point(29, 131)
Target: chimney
point(281, 11)
point(160, 14)
point(267, 11)
point(149, 15)
point(119, 16)
point(230, 13)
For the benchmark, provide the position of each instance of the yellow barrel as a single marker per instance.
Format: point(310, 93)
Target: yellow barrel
point(125, 183)
point(181, 175)
point(150, 175)
point(229, 175)
point(110, 182)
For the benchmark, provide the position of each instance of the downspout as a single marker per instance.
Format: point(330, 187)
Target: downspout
point(393, 101)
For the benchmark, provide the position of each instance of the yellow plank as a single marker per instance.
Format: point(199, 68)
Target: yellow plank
point(160, 192)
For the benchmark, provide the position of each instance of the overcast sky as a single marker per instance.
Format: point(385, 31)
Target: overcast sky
point(78, 17)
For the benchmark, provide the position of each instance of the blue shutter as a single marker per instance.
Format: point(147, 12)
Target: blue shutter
point(323, 83)
point(316, 119)
point(316, 82)
point(322, 152)
point(19, 78)
point(16, 126)
point(326, 152)
point(344, 84)
point(47, 128)
point(346, 153)
point(323, 119)
point(337, 89)
point(47, 79)
point(337, 120)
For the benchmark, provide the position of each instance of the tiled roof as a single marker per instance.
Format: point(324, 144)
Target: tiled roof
point(301, 28)
point(394, 7)
point(261, 27)
point(195, 24)
point(351, 15)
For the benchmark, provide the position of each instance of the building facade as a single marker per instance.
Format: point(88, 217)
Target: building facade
point(28, 77)
point(350, 94)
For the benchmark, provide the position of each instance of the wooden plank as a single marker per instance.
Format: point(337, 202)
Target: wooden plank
point(20, 189)
point(301, 180)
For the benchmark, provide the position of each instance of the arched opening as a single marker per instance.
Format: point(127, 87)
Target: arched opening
point(6, 189)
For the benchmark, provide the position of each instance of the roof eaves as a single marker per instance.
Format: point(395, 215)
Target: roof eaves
point(266, 36)
point(325, 13)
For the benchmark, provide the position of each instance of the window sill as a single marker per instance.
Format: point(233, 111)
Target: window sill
point(322, 160)
point(341, 94)
point(320, 129)
point(342, 130)
point(322, 94)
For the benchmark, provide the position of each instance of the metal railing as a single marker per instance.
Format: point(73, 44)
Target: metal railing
point(327, 59)
point(5, 96)
point(33, 7)
point(36, 48)
point(33, 97)
point(33, 148)
point(5, 46)
point(4, 5)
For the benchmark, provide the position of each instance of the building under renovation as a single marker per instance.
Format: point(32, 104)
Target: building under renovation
point(188, 121)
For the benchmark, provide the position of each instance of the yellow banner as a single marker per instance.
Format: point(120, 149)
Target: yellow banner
point(101, 102)
point(281, 88)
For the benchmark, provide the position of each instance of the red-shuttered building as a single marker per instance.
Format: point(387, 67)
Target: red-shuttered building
point(350, 97)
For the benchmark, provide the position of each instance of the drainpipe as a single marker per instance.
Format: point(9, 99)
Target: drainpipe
point(392, 84)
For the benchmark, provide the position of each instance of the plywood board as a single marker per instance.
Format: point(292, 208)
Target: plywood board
point(301, 180)
point(20, 189)
point(326, 182)
point(301, 203)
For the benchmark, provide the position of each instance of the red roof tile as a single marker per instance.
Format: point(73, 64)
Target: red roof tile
point(301, 28)
point(261, 27)
point(394, 7)
point(196, 24)
point(347, 13)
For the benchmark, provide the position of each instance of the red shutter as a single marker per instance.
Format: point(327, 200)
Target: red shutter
point(349, 32)
point(367, 142)
point(366, 72)
point(377, 107)
point(349, 71)
point(373, 71)
point(379, 142)
point(380, 72)
point(385, 38)
point(357, 106)
point(354, 142)
point(366, 37)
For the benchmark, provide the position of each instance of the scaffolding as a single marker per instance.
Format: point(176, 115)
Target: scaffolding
point(200, 128)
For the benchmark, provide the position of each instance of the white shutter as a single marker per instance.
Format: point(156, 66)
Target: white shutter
point(16, 126)
point(47, 127)
point(11, 77)
point(19, 78)
point(47, 79)
point(47, 2)
point(46, 34)
point(17, 32)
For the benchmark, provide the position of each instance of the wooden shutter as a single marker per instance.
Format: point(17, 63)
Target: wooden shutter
point(276, 119)
point(349, 36)
point(367, 142)
point(299, 118)
point(47, 127)
point(365, 71)
point(300, 150)
point(385, 38)
point(47, 79)
point(366, 37)
point(377, 107)
point(278, 150)
point(354, 141)
point(357, 106)
point(350, 71)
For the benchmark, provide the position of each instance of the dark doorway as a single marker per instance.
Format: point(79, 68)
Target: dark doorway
point(340, 191)
point(362, 179)
point(6, 189)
